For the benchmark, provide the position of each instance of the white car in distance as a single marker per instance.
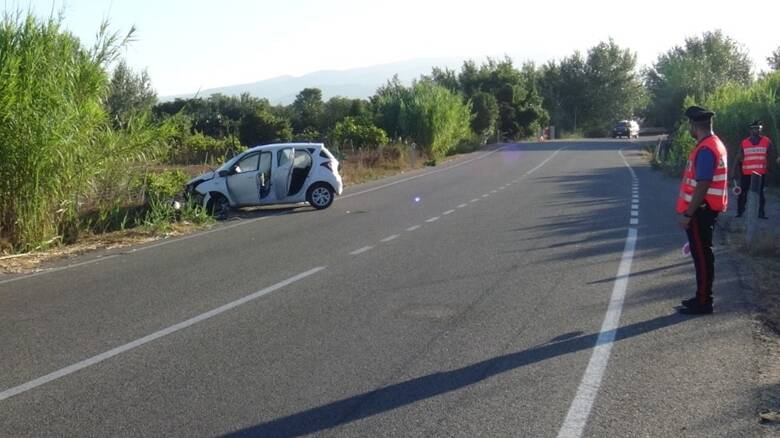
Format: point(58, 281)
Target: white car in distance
point(287, 173)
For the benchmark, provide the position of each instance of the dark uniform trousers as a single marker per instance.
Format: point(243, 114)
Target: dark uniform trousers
point(700, 241)
point(745, 186)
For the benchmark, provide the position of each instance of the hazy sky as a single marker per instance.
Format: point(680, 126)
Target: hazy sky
point(191, 44)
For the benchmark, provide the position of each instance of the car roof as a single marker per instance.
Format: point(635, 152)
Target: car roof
point(282, 145)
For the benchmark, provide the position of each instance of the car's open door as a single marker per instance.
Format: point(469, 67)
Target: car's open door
point(283, 172)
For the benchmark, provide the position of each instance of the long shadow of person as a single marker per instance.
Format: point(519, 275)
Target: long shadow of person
point(404, 393)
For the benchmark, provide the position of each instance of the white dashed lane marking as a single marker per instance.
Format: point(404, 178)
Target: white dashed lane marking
point(474, 200)
point(412, 228)
point(448, 212)
point(389, 238)
point(433, 219)
point(361, 250)
point(463, 206)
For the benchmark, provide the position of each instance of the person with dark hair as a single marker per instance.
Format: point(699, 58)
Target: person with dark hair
point(703, 195)
point(755, 154)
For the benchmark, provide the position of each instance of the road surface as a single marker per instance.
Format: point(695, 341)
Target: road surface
point(527, 290)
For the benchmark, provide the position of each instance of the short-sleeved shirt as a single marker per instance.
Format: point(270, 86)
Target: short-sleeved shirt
point(705, 165)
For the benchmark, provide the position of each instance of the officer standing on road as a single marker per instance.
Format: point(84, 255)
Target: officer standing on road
point(755, 154)
point(703, 194)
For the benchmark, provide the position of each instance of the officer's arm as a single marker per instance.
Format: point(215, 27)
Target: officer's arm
point(737, 161)
point(698, 197)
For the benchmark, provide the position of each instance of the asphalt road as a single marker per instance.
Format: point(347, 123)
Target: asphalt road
point(463, 300)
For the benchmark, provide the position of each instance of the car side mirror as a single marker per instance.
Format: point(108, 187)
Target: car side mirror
point(223, 173)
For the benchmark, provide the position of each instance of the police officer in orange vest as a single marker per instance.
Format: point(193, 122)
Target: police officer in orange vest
point(703, 195)
point(754, 154)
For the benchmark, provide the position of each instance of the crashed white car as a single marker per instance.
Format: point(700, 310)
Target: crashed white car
point(286, 173)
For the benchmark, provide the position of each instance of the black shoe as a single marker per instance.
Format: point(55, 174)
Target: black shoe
point(697, 309)
point(690, 302)
point(763, 216)
point(738, 215)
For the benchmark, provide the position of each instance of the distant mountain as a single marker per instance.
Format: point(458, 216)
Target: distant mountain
point(354, 83)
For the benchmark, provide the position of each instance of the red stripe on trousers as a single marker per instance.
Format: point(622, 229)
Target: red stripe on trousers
point(700, 289)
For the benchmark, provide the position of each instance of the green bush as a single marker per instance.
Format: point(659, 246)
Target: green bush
point(58, 147)
point(159, 192)
point(735, 106)
point(436, 118)
point(357, 132)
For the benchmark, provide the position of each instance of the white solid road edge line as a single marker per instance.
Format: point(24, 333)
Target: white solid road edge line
point(154, 336)
point(574, 424)
point(579, 411)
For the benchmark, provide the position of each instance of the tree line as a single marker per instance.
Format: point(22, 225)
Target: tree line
point(82, 132)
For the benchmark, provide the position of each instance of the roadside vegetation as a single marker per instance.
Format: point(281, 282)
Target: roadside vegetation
point(88, 149)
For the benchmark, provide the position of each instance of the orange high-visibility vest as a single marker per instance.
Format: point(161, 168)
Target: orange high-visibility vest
point(717, 195)
point(755, 156)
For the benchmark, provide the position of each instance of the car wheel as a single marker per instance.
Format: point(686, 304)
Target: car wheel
point(218, 207)
point(320, 196)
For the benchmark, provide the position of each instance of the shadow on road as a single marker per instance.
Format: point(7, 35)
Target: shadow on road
point(405, 393)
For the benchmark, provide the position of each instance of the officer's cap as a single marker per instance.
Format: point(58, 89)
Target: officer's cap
point(756, 124)
point(698, 114)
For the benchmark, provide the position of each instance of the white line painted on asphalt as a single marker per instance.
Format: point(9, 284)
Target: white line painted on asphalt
point(389, 238)
point(474, 200)
point(433, 219)
point(634, 213)
point(463, 205)
point(634, 221)
point(448, 212)
point(635, 205)
point(579, 411)
point(494, 192)
point(154, 336)
point(633, 174)
point(542, 163)
point(485, 195)
point(361, 250)
point(501, 188)
point(412, 228)
point(574, 424)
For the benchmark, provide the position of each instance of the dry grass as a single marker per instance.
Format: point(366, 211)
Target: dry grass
point(33, 261)
point(368, 165)
point(356, 168)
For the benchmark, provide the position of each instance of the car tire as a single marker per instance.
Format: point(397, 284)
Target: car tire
point(320, 196)
point(218, 207)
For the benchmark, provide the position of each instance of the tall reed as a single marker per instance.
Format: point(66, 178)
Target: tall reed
point(57, 147)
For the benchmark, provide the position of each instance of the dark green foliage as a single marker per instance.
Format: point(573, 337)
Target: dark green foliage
point(357, 133)
point(308, 110)
point(485, 109)
point(129, 95)
point(388, 104)
point(735, 106)
point(696, 69)
point(591, 93)
point(262, 127)
point(774, 60)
